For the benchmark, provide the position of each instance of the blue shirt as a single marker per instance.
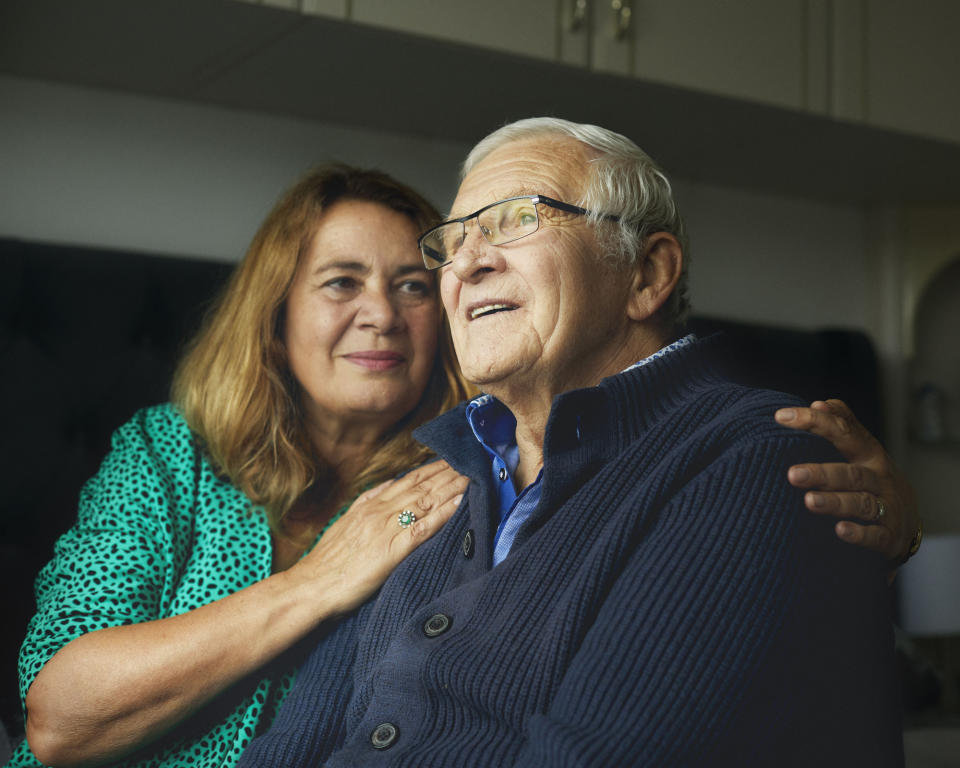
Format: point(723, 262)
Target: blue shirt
point(495, 427)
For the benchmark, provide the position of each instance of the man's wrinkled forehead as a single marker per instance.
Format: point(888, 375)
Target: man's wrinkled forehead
point(552, 165)
point(497, 194)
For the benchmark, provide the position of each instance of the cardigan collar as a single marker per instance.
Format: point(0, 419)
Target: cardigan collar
point(587, 427)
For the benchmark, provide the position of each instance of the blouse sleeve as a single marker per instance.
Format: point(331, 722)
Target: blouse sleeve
point(119, 563)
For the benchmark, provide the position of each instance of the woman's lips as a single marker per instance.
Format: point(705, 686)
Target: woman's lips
point(376, 360)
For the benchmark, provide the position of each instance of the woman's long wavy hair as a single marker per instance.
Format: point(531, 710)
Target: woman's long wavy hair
point(234, 385)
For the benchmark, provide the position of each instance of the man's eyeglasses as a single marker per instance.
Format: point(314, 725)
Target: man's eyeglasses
point(500, 223)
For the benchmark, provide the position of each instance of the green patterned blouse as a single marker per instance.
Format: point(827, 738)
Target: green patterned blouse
point(158, 534)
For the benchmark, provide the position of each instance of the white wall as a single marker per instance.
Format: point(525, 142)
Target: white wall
point(777, 260)
point(110, 169)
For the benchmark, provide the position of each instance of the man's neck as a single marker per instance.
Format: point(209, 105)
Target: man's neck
point(531, 401)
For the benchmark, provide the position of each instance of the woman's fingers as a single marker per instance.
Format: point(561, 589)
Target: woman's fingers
point(382, 527)
point(842, 490)
point(834, 477)
point(425, 478)
point(874, 537)
point(375, 491)
point(855, 504)
point(425, 492)
point(833, 420)
point(438, 489)
point(858, 489)
point(426, 526)
point(423, 499)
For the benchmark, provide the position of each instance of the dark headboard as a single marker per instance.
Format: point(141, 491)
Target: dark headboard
point(815, 365)
point(86, 338)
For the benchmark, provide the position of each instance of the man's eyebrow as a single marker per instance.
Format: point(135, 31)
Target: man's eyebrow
point(522, 191)
point(525, 190)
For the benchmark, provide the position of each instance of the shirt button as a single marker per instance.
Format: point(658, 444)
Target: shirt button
point(384, 735)
point(503, 474)
point(436, 625)
point(467, 545)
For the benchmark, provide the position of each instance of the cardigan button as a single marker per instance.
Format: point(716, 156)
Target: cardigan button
point(384, 735)
point(467, 545)
point(436, 625)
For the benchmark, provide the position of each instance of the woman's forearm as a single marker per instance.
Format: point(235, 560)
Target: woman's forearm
point(113, 690)
point(116, 689)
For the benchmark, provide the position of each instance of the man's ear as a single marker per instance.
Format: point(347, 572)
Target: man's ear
point(656, 276)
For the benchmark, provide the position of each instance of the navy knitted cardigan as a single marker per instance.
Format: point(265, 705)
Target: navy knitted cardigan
point(669, 603)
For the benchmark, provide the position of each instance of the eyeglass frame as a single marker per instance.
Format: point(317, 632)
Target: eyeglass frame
point(535, 199)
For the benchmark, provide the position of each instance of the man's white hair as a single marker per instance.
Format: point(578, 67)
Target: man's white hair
point(623, 180)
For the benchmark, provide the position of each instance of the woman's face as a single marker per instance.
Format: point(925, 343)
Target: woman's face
point(362, 319)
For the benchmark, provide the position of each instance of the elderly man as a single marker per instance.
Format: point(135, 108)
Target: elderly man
point(629, 580)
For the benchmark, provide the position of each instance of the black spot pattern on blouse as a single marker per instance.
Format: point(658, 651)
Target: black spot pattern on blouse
point(157, 535)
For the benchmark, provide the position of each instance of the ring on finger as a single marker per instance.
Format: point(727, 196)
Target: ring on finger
point(406, 518)
point(881, 510)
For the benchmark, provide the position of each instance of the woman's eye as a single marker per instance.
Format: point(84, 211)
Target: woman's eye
point(341, 284)
point(415, 288)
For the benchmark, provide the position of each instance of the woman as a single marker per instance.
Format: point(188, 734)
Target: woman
point(185, 574)
point(168, 619)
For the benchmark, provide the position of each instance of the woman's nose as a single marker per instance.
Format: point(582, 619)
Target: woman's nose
point(379, 312)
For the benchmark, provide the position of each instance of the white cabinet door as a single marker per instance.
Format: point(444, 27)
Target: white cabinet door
point(334, 8)
point(749, 49)
point(913, 66)
point(527, 27)
point(611, 39)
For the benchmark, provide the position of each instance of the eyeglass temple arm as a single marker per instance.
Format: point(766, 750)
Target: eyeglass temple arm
point(572, 208)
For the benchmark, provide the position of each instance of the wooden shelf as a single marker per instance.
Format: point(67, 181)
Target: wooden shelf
point(266, 59)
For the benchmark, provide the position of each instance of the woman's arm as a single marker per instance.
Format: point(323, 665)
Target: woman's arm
point(852, 490)
point(115, 689)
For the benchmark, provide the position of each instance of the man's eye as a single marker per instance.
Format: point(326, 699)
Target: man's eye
point(521, 212)
point(515, 219)
point(452, 242)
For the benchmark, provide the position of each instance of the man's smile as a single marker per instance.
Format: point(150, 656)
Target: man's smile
point(485, 308)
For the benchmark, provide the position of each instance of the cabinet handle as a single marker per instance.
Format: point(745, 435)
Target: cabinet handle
point(622, 16)
point(578, 14)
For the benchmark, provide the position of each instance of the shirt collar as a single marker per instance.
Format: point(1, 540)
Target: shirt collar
point(494, 425)
point(678, 344)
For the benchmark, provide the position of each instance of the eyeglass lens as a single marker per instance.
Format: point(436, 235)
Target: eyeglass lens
point(501, 223)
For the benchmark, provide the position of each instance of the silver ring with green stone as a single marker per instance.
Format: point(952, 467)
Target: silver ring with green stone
point(406, 518)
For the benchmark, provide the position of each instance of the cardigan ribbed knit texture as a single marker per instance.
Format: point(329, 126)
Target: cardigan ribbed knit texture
point(670, 602)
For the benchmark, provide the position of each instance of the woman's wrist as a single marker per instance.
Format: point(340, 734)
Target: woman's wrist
point(914, 545)
point(310, 589)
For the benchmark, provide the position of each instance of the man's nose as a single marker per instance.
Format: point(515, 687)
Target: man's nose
point(476, 257)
